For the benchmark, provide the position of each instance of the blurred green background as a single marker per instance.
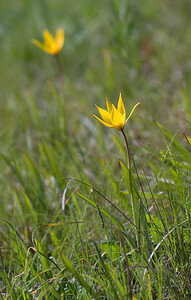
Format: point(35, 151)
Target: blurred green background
point(140, 49)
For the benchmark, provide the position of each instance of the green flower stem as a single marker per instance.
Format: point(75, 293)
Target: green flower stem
point(127, 148)
point(60, 72)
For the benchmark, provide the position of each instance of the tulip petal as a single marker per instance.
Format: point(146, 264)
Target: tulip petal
point(40, 45)
point(48, 38)
point(101, 121)
point(104, 114)
point(121, 107)
point(59, 38)
point(132, 111)
point(117, 118)
point(109, 106)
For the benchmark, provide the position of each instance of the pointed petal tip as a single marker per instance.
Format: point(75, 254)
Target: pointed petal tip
point(101, 121)
point(97, 106)
point(45, 31)
point(34, 41)
point(107, 100)
point(132, 111)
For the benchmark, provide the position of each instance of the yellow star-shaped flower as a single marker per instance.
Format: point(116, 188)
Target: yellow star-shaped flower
point(114, 117)
point(51, 45)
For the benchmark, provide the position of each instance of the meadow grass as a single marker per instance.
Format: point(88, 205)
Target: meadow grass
point(76, 222)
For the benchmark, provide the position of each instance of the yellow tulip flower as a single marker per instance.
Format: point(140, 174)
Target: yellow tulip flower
point(51, 45)
point(114, 117)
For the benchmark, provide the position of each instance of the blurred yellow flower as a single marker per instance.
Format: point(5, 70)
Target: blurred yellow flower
point(114, 117)
point(51, 45)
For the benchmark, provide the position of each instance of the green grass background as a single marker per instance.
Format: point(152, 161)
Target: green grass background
point(138, 48)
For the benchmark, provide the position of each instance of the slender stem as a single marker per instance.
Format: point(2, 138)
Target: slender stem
point(127, 148)
point(60, 72)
